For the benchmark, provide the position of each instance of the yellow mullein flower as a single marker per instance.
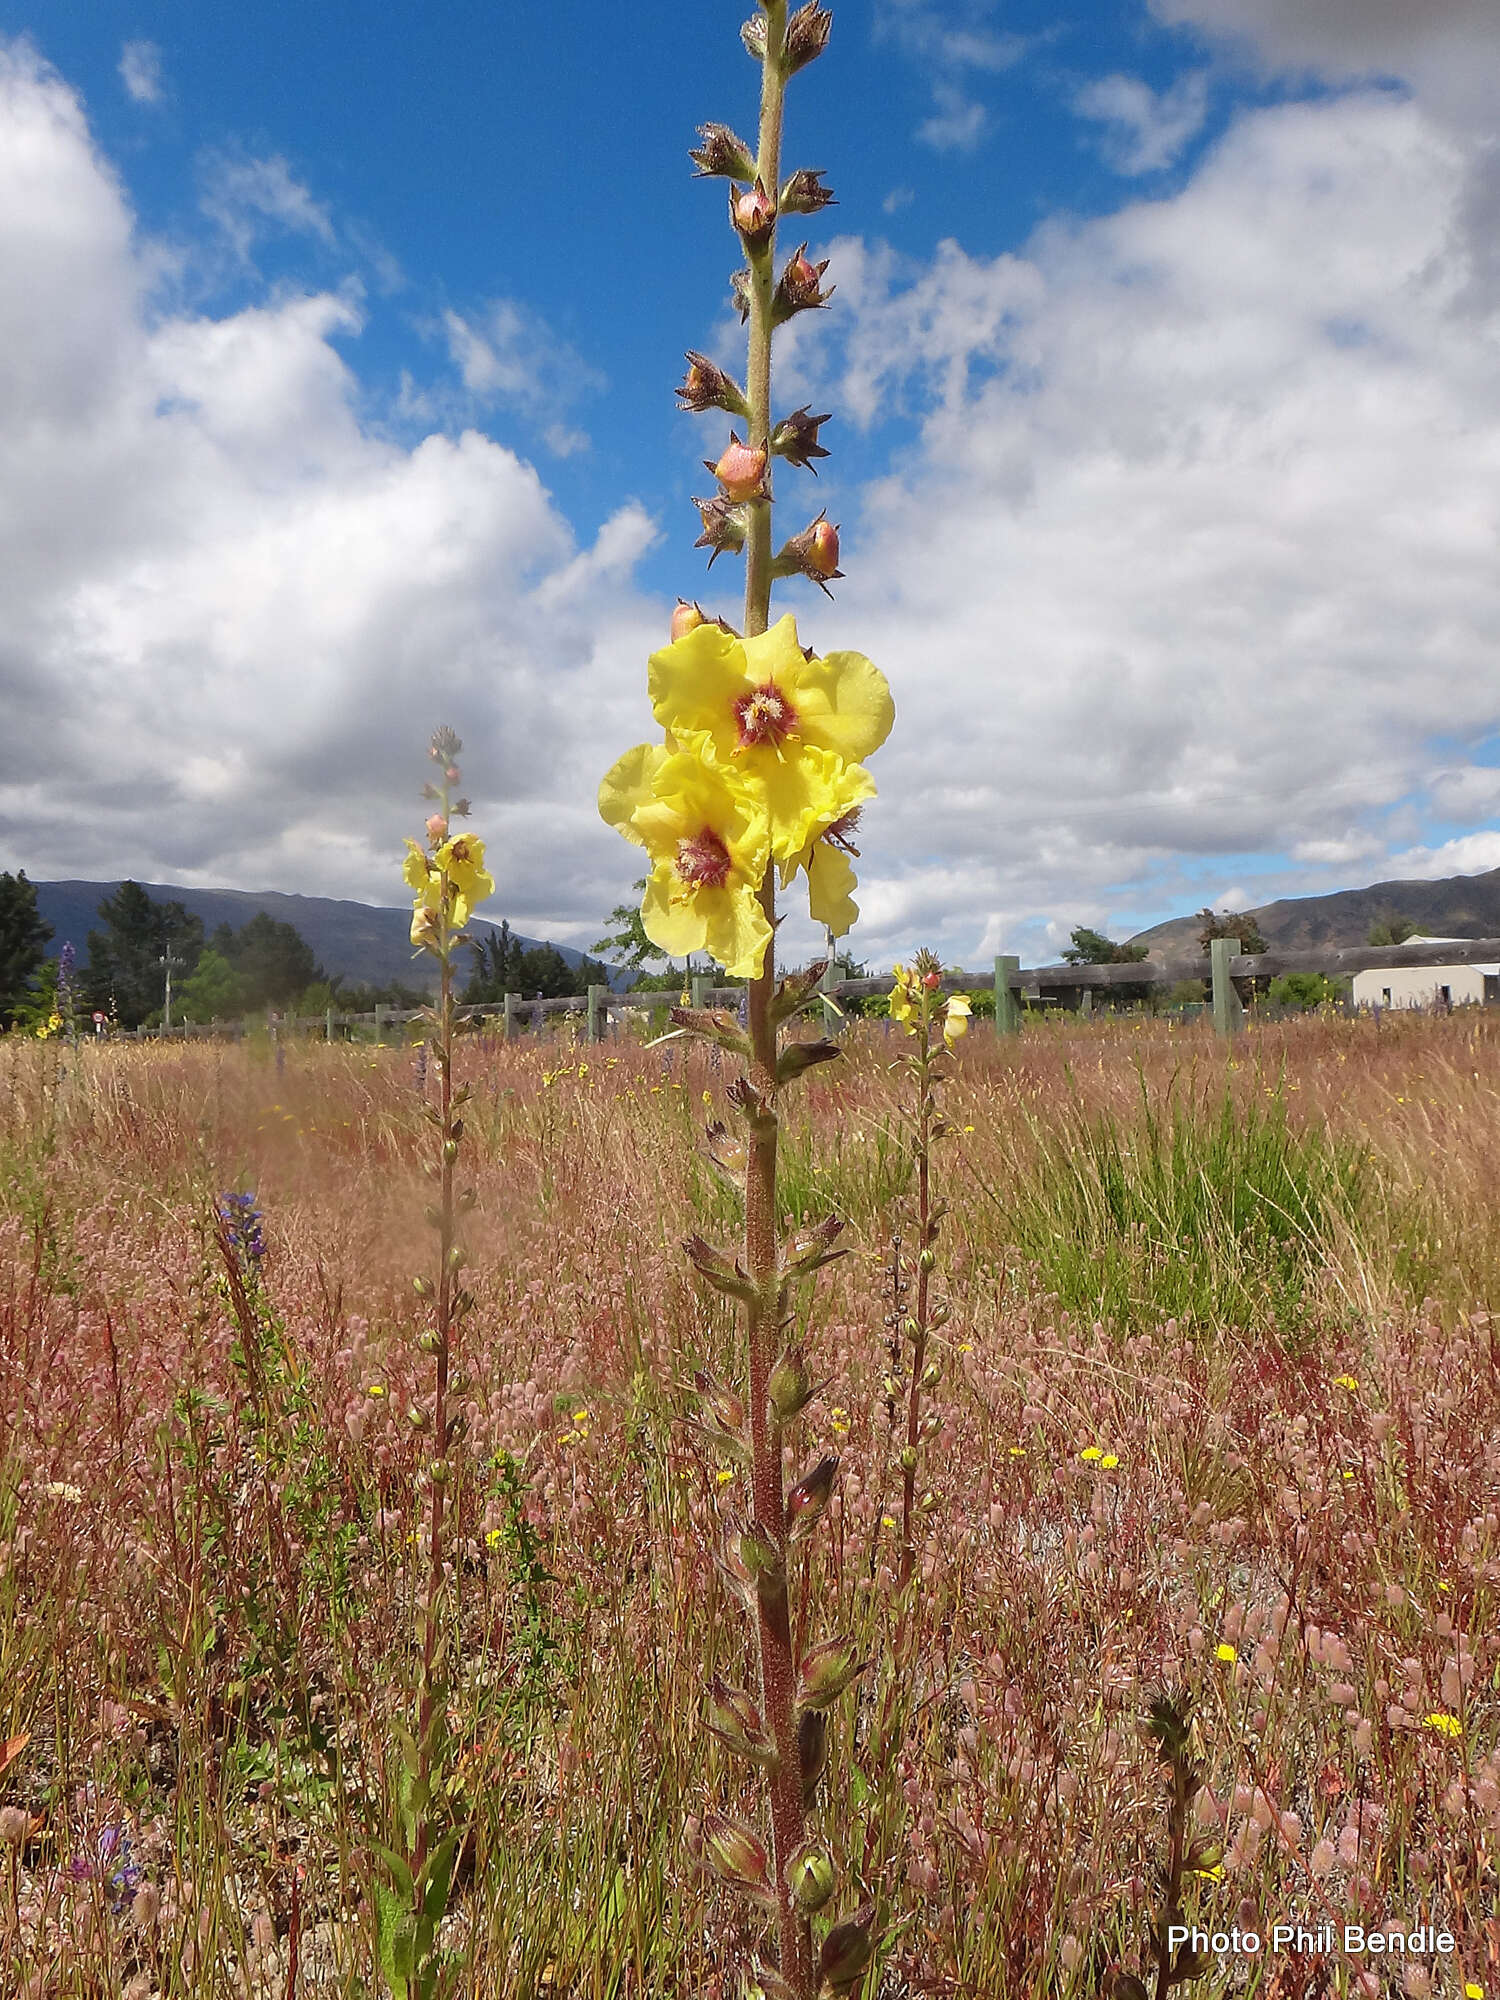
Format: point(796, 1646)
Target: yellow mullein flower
point(956, 1017)
point(460, 861)
point(762, 705)
point(709, 848)
point(905, 996)
point(834, 795)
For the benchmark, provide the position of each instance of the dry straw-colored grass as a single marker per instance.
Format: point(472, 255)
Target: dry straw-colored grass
point(208, 1658)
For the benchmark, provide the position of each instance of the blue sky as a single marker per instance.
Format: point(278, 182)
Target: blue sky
point(1165, 369)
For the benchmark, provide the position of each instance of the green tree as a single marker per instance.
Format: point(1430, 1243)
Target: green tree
point(125, 968)
point(23, 940)
point(501, 967)
point(1094, 948)
point(272, 961)
point(1394, 929)
point(214, 993)
point(1233, 924)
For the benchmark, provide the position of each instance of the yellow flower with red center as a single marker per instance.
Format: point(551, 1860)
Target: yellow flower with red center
point(956, 1017)
point(761, 705)
point(448, 882)
point(709, 846)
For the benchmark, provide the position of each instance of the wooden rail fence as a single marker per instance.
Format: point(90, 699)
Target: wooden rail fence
point(1010, 981)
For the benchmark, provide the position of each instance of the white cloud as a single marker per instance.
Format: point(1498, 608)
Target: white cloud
point(245, 196)
point(507, 357)
point(948, 41)
point(140, 72)
point(1196, 555)
point(1145, 129)
point(1470, 854)
point(1447, 49)
point(231, 613)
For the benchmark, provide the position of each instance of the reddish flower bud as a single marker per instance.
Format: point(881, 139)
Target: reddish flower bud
point(741, 470)
point(813, 553)
point(805, 194)
point(738, 1858)
point(807, 1502)
point(934, 979)
point(800, 287)
point(810, 1876)
point(736, 1721)
point(723, 526)
point(847, 1950)
point(753, 214)
point(686, 618)
point(707, 387)
point(437, 829)
point(722, 155)
point(806, 36)
point(795, 438)
point(826, 1671)
point(753, 35)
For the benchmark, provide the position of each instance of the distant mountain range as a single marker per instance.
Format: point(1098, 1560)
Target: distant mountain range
point(1457, 906)
point(369, 946)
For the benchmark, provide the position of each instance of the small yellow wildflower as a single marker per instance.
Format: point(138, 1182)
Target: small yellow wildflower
point(582, 1416)
point(1473, 1990)
point(968, 1128)
point(376, 1389)
point(966, 1347)
point(1091, 1451)
point(1018, 1451)
point(1109, 1461)
point(1443, 1723)
point(492, 1539)
point(724, 1475)
point(1345, 1382)
point(887, 1521)
point(63, 1489)
point(1227, 1654)
point(955, 1017)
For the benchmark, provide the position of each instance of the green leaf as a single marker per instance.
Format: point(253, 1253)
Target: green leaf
point(437, 1876)
point(400, 1871)
point(394, 1937)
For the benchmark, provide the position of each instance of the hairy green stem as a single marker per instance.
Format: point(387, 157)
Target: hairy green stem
point(777, 1665)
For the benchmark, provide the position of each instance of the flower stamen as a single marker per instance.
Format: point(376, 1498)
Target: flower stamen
point(764, 716)
point(703, 860)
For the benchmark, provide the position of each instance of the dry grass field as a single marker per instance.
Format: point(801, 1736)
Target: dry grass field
point(1219, 1409)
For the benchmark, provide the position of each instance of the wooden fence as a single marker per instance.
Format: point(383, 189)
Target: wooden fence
point(1073, 986)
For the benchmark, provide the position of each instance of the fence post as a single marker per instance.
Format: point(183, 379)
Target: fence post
point(379, 1025)
point(698, 990)
point(1229, 1014)
point(510, 1017)
point(1086, 1002)
point(328, 1026)
point(1007, 1007)
point(597, 1012)
point(832, 1019)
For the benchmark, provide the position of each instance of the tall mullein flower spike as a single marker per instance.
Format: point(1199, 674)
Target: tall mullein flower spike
point(758, 782)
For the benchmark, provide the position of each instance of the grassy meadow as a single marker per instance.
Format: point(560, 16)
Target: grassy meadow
point(1218, 1408)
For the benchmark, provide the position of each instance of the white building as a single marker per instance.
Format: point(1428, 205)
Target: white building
point(1427, 985)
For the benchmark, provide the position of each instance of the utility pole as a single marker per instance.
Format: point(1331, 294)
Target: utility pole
point(168, 959)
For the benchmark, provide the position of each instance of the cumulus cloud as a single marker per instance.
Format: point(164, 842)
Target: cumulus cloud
point(1447, 49)
point(1196, 555)
point(233, 613)
point(140, 72)
point(1145, 130)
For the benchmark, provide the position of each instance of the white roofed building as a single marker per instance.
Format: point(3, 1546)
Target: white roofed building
point(1405, 986)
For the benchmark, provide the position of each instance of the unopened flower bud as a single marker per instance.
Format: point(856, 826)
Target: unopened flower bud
point(808, 1500)
point(790, 1388)
point(707, 387)
point(753, 213)
point(800, 287)
point(932, 981)
point(723, 154)
point(928, 1502)
point(908, 1458)
point(826, 1671)
point(723, 526)
point(814, 553)
point(795, 438)
point(812, 1752)
point(806, 36)
point(741, 470)
point(438, 1471)
point(14, 1826)
point(926, 1259)
point(847, 1951)
point(811, 1876)
point(932, 1374)
point(417, 1418)
point(737, 1722)
point(437, 829)
point(422, 1287)
point(428, 1342)
point(737, 1857)
point(804, 193)
point(753, 35)
point(452, 774)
